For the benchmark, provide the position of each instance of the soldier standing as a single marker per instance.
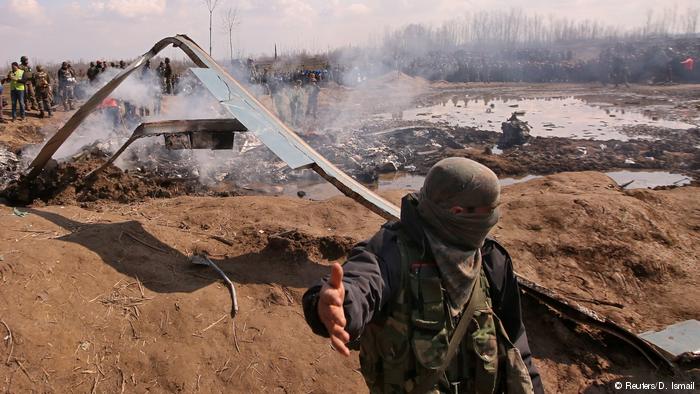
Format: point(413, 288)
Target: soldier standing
point(42, 82)
point(432, 302)
point(168, 76)
point(2, 88)
point(92, 72)
point(295, 96)
point(314, 90)
point(29, 96)
point(66, 85)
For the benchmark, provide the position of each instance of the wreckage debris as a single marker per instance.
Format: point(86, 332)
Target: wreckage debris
point(203, 259)
point(9, 163)
point(515, 132)
point(68, 183)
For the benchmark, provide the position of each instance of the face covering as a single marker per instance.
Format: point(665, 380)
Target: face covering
point(455, 239)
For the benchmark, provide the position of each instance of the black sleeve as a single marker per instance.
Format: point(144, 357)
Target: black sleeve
point(369, 276)
point(505, 294)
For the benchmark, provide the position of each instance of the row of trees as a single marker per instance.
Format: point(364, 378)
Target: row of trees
point(500, 29)
point(516, 28)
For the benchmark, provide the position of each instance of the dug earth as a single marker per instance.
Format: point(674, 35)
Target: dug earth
point(105, 298)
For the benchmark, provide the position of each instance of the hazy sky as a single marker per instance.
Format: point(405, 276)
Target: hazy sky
point(53, 30)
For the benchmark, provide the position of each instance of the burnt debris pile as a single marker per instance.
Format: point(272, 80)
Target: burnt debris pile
point(68, 182)
point(8, 167)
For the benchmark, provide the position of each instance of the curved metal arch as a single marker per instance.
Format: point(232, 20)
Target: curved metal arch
point(284, 142)
point(55, 142)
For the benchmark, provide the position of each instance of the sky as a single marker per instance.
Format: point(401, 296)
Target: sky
point(55, 30)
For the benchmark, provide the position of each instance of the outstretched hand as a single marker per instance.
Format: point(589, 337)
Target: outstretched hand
point(330, 310)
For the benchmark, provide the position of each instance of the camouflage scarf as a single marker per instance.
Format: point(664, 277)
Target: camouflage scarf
point(459, 269)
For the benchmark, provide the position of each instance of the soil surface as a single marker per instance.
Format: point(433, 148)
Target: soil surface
point(106, 299)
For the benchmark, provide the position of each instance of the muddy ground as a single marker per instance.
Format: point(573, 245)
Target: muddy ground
point(97, 292)
point(415, 144)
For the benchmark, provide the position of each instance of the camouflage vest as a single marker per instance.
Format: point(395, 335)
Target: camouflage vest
point(42, 80)
point(401, 348)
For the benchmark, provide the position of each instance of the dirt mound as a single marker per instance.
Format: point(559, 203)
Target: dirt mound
point(302, 246)
point(107, 300)
point(628, 255)
point(16, 135)
point(397, 80)
point(67, 183)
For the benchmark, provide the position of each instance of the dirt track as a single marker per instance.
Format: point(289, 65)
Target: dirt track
point(106, 298)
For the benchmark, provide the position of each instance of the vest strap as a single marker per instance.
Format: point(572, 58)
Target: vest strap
point(431, 379)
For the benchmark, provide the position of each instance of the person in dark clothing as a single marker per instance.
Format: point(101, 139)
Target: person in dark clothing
point(168, 76)
point(357, 305)
point(312, 103)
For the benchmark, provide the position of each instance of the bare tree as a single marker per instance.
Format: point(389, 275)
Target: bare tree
point(211, 5)
point(231, 22)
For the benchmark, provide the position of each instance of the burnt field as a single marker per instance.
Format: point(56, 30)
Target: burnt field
point(388, 132)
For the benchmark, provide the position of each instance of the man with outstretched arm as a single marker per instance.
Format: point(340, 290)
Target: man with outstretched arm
point(431, 302)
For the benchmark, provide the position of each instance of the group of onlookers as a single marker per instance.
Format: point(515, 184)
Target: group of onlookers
point(32, 89)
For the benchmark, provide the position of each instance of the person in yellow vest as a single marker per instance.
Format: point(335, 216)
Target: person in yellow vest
point(16, 91)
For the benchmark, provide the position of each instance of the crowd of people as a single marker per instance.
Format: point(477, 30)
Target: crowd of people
point(299, 97)
point(295, 90)
point(654, 61)
point(35, 89)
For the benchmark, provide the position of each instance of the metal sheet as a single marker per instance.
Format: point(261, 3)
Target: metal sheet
point(253, 117)
point(582, 315)
point(677, 339)
point(175, 128)
point(214, 140)
point(287, 143)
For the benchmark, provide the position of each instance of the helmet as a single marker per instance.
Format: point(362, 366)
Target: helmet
point(23, 59)
point(39, 68)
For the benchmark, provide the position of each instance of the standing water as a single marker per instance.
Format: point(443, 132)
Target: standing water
point(548, 117)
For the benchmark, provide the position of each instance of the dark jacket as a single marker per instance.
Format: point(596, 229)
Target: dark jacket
point(372, 275)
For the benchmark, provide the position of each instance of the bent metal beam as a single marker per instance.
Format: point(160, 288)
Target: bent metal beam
point(289, 147)
point(281, 140)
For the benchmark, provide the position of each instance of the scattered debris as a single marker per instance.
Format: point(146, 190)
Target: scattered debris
point(20, 213)
point(202, 259)
point(515, 132)
point(680, 340)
